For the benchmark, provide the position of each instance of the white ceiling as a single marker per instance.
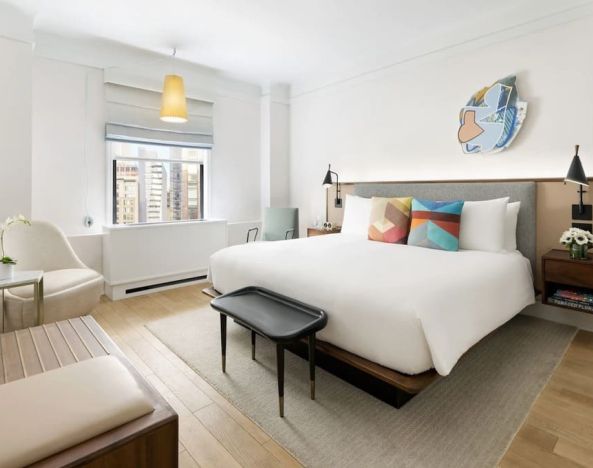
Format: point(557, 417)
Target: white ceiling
point(306, 43)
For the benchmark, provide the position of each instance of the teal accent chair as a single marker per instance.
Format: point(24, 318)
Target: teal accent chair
point(279, 224)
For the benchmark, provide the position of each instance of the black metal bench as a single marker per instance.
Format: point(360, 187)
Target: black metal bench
point(278, 318)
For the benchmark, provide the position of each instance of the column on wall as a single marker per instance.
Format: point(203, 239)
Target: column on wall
point(275, 146)
point(15, 112)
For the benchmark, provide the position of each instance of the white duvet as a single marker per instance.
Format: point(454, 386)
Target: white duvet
point(406, 308)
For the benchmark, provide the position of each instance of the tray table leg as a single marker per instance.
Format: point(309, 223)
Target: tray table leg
point(280, 370)
point(312, 364)
point(223, 340)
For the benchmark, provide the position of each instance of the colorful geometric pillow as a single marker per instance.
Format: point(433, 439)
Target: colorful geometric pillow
point(390, 219)
point(435, 224)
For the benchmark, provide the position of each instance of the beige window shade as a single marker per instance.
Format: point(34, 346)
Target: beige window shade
point(133, 114)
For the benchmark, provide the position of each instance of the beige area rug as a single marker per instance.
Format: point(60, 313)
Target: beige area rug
point(467, 419)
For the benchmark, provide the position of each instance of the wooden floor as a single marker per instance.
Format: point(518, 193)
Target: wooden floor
point(558, 431)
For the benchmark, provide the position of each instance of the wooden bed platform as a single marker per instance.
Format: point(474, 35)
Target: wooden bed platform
point(149, 441)
point(386, 384)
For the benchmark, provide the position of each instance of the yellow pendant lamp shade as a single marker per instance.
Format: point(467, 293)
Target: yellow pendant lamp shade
point(173, 104)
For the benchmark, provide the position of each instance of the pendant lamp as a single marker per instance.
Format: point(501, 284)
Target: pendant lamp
point(173, 102)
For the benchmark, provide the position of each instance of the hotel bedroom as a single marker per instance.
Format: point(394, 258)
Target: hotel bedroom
point(324, 233)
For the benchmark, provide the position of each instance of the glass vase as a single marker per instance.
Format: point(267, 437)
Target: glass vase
point(578, 252)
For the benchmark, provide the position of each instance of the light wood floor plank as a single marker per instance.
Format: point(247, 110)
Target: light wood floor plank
point(576, 453)
point(204, 448)
point(285, 458)
point(244, 448)
point(186, 460)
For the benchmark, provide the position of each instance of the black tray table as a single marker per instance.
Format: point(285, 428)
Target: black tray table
point(279, 318)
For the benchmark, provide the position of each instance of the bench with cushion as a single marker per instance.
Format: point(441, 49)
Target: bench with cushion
point(61, 408)
point(147, 436)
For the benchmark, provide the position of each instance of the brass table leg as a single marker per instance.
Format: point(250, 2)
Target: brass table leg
point(40, 306)
point(2, 307)
point(312, 364)
point(38, 293)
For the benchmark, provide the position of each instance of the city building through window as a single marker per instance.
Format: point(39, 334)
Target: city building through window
point(157, 183)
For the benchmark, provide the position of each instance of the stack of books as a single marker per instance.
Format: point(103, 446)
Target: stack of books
point(571, 298)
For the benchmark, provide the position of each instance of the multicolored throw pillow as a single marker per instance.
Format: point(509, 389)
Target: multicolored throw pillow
point(435, 224)
point(390, 219)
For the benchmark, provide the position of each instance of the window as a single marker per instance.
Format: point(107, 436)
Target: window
point(157, 183)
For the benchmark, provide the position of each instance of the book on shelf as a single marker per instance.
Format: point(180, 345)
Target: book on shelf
point(572, 304)
point(573, 295)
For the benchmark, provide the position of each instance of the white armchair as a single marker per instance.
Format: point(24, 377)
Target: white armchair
point(71, 288)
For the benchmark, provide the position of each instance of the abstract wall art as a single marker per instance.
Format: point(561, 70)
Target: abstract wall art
point(492, 118)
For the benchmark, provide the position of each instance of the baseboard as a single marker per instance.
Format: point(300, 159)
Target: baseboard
point(139, 288)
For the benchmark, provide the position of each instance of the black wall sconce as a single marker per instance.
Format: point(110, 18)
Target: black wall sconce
point(327, 183)
point(576, 175)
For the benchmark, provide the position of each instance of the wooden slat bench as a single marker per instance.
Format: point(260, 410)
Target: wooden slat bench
point(149, 441)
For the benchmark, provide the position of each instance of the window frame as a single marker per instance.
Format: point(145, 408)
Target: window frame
point(112, 160)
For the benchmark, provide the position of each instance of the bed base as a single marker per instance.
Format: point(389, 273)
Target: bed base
point(388, 385)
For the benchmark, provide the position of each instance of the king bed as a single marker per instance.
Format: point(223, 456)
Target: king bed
point(400, 308)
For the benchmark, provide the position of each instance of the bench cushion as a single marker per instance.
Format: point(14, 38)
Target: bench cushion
point(46, 413)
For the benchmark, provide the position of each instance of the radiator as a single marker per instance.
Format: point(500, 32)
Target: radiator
point(140, 259)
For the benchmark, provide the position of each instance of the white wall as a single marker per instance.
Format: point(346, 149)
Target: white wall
point(235, 162)
point(275, 147)
point(15, 113)
point(401, 123)
point(67, 184)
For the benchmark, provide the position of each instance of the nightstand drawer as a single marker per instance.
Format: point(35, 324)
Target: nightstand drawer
point(573, 273)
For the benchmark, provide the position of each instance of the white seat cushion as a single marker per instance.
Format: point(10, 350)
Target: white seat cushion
point(50, 412)
point(57, 281)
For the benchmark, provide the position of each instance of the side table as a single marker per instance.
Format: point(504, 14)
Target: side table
point(24, 278)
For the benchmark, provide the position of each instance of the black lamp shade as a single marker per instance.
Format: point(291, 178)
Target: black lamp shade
point(327, 181)
point(576, 173)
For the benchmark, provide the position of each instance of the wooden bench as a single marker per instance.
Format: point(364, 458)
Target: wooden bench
point(149, 441)
point(278, 318)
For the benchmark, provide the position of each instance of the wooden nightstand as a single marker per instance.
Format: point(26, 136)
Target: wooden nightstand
point(561, 273)
point(321, 232)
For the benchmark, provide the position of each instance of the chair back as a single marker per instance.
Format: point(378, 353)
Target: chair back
point(280, 224)
point(41, 246)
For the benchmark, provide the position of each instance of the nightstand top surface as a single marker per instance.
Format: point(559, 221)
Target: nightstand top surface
point(563, 256)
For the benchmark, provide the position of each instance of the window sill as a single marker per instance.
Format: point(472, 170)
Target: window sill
point(117, 227)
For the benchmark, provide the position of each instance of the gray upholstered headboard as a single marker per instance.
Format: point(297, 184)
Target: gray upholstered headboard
point(517, 191)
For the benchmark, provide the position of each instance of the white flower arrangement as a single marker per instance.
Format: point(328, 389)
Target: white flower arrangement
point(5, 259)
point(577, 236)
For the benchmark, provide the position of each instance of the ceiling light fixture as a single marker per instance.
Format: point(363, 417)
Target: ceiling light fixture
point(173, 102)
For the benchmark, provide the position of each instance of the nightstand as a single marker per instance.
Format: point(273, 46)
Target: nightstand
point(312, 231)
point(567, 283)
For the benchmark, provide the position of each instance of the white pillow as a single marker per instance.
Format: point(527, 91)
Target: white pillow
point(357, 213)
point(510, 226)
point(483, 225)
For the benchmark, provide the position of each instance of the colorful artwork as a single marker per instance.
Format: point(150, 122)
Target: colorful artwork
point(492, 118)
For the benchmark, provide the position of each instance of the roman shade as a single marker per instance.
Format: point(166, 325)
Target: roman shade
point(133, 114)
